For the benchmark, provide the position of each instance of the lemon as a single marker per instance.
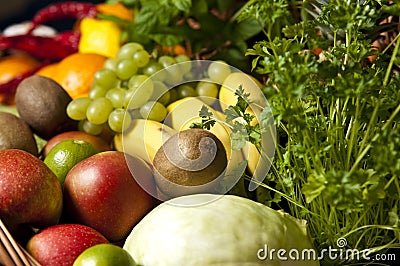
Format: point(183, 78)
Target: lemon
point(66, 154)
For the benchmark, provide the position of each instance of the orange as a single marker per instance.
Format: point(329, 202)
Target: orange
point(48, 70)
point(75, 72)
point(117, 9)
point(12, 66)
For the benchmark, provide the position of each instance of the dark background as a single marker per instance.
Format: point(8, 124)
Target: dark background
point(16, 11)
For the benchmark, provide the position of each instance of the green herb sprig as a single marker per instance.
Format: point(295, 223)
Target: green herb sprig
point(238, 119)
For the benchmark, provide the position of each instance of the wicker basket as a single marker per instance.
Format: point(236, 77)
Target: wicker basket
point(11, 253)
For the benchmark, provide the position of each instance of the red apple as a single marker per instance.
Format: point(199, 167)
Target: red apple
point(99, 143)
point(102, 192)
point(30, 193)
point(62, 244)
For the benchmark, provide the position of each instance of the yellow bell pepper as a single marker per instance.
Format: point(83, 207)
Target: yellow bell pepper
point(100, 37)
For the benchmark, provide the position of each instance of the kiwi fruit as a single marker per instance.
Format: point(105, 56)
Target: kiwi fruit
point(41, 102)
point(191, 161)
point(15, 133)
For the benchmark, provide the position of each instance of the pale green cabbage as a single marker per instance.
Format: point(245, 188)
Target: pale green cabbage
point(216, 230)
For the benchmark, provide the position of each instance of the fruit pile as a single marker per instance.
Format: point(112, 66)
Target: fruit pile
point(70, 56)
point(93, 142)
point(143, 85)
point(124, 148)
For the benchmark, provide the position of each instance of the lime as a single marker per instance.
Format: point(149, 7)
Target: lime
point(105, 255)
point(64, 155)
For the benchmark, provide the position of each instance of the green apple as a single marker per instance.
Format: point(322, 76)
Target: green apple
point(105, 255)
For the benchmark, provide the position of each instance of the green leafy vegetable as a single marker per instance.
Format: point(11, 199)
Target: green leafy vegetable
point(337, 114)
point(206, 27)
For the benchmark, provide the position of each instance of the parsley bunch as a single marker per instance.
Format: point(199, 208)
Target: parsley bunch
point(337, 113)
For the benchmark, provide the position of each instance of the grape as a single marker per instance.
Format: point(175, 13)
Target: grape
point(138, 80)
point(153, 111)
point(189, 76)
point(122, 90)
point(184, 63)
point(123, 84)
point(106, 78)
point(86, 126)
point(126, 68)
point(97, 91)
point(186, 91)
point(208, 90)
point(218, 71)
point(174, 75)
point(76, 109)
point(135, 113)
point(166, 60)
point(110, 63)
point(136, 97)
point(152, 68)
point(160, 93)
point(116, 97)
point(173, 95)
point(182, 58)
point(141, 58)
point(98, 111)
point(119, 120)
point(173, 72)
point(127, 50)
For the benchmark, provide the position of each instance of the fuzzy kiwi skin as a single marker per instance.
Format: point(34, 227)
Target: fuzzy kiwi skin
point(15, 133)
point(173, 180)
point(41, 102)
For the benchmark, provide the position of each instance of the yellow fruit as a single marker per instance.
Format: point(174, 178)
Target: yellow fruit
point(143, 139)
point(231, 84)
point(185, 109)
point(252, 156)
point(66, 154)
point(227, 97)
point(100, 37)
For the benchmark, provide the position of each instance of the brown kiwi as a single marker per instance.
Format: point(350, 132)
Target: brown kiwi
point(15, 133)
point(191, 161)
point(41, 102)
